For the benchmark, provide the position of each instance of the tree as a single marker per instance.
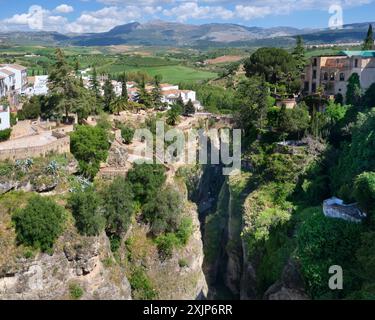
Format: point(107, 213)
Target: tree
point(63, 85)
point(117, 105)
point(31, 109)
point(86, 210)
point(143, 97)
point(90, 146)
point(109, 94)
point(40, 223)
point(323, 242)
point(164, 211)
point(146, 180)
point(294, 121)
point(76, 67)
point(364, 191)
point(118, 207)
point(356, 157)
point(276, 66)
point(369, 40)
point(95, 86)
point(156, 95)
point(353, 92)
point(189, 108)
point(299, 54)
point(368, 99)
point(173, 115)
point(127, 134)
point(124, 92)
point(252, 98)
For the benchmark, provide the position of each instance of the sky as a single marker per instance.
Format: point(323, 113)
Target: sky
point(79, 16)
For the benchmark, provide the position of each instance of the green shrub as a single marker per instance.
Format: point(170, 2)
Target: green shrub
point(40, 223)
point(90, 146)
point(85, 206)
point(185, 230)
point(5, 134)
point(75, 291)
point(118, 206)
point(364, 190)
point(163, 211)
point(166, 244)
point(146, 180)
point(183, 263)
point(323, 242)
point(141, 285)
point(127, 134)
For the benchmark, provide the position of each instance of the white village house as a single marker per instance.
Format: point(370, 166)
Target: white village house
point(4, 118)
point(13, 79)
point(39, 86)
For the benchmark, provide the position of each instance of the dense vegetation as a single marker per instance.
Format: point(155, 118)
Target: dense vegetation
point(283, 217)
point(40, 223)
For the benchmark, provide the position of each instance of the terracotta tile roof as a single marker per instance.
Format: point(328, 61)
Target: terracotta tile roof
point(17, 67)
point(6, 71)
point(168, 92)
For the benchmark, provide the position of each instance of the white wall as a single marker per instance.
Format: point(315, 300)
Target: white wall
point(20, 77)
point(4, 118)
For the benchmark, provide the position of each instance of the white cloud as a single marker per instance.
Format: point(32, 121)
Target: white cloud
point(191, 10)
point(117, 12)
point(105, 19)
point(64, 8)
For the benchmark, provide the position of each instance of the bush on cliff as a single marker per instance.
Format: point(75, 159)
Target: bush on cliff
point(85, 206)
point(90, 146)
point(40, 223)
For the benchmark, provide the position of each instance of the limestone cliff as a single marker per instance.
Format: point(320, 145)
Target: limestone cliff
point(77, 262)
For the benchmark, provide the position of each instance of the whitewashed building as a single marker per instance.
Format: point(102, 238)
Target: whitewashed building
point(8, 80)
point(39, 86)
point(4, 118)
point(20, 76)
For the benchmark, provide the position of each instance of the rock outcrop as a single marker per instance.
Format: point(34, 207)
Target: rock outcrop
point(74, 262)
point(289, 287)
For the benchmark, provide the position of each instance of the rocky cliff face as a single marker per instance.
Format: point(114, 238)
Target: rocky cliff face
point(289, 287)
point(182, 277)
point(77, 262)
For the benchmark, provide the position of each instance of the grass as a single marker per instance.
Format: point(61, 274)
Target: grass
point(171, 69)
point(170, 73)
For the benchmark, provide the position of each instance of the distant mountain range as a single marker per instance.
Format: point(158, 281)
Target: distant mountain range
point(161, 33)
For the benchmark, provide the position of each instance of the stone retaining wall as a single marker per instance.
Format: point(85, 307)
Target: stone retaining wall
point(60, 146)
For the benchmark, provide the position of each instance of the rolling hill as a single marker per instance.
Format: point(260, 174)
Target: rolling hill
point(161, 33)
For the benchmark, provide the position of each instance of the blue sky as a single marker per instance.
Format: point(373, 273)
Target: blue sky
point(102, 15)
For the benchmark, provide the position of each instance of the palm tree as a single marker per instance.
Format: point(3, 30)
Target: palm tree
point(118, 105)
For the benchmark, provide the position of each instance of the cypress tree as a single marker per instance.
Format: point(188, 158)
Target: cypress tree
point(369, 41)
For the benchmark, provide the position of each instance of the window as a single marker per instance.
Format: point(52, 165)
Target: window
point(307, 84)
point(314, 74)
point(313, 87)
point(342, 76)
point(356, 63)
point(332, 77)
point(315, 62)
point(326, 76)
